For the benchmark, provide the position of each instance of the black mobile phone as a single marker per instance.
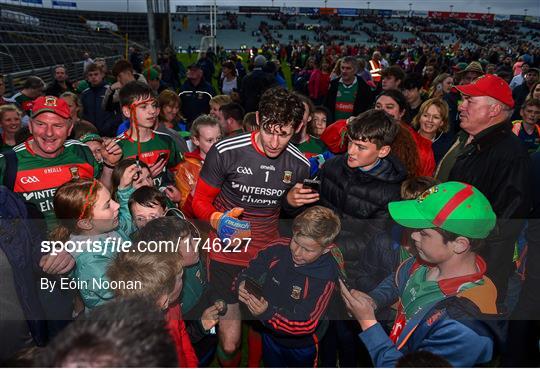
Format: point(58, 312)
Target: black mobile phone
point(313, 184)
point(161, 155)
point(253, 287)
point(345, 282)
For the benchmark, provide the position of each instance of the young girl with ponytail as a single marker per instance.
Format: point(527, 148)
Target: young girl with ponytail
point(89, 217)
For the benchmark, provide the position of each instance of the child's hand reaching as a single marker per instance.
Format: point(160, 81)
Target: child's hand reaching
point(360, 305)
point(210, 317)
point(173, 194)
point(111, 152)
point(256, 306)
point(130, 174)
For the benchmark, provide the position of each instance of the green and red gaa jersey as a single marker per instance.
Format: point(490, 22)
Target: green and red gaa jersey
point(24, 102)
point(312, 147)
point(160, 143)
point(346, 95)
point(38, 178)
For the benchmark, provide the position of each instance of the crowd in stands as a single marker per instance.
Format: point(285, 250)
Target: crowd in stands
point(380, 30)
point(377, 210)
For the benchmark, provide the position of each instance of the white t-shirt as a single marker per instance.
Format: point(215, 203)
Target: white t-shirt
point(228, 86)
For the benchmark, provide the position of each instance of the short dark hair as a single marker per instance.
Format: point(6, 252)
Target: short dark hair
point(82, 128)
point(122, 333)
point(375, 126)
point(531, 102)
point(412, 81)
point(233, 110)
point(229, 64)
point(476, 243)
point(398, 97)
point(34, 82)
point(279, 107)
point(394, 70)
point(323, 109)
point(413, 187)
point(148, 197)
point(93, 68)
point(270, 67)
point(134, 91)
point(120, 66)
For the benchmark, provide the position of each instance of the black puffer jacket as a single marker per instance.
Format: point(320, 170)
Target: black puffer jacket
point(361, 201)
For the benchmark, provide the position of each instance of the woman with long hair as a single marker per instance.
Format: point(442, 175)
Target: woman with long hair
point(432, 123)
point(228, 82)
point(420, 152)
point(534, 92)
point(442, 84)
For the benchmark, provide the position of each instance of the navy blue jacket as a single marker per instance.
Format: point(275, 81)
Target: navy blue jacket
point(105, 121)
point(195, 99)
point(441, 145)
point(253, 87)
point(21, 231)
point(297, 295)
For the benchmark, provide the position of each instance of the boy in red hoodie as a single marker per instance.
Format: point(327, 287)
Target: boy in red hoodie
point(159, 273)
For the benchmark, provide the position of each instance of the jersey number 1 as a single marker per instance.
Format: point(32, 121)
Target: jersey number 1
point(267, 174)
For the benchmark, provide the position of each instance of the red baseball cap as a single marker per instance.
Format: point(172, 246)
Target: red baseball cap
point(489, 85)
point(51, 104)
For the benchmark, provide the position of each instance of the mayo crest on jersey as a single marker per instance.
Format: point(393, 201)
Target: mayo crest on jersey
point(160, 143)
point(38, 178)
point(251, 180)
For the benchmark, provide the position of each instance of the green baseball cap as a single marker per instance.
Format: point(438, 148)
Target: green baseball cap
point(453, 206)
point(151, 74)
point(90, 137)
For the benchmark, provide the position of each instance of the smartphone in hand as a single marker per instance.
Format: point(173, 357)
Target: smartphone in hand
point(313, 184)
point(253, 288)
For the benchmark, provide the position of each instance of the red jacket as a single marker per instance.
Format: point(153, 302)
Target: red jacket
point(334, 136)
point(425, 153)
point(318, 84)
point(177, 329)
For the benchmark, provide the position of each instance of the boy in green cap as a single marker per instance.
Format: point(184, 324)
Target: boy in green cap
point(443, 295)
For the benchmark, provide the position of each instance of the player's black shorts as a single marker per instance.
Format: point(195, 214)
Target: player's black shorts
point(221, 277)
